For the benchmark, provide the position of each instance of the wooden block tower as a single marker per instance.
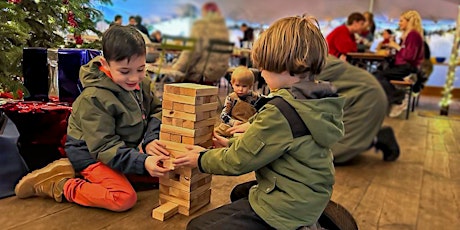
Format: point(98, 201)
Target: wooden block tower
point(189, 115)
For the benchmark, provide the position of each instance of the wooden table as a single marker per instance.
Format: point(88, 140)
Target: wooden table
point(369, 61)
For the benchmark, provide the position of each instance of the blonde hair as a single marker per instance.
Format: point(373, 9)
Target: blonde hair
point(243, 75)
point(292, 44)
point(414, 22)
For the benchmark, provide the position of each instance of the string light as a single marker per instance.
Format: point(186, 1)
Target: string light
point(449, 85)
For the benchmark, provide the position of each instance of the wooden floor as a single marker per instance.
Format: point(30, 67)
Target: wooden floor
point(419, 191)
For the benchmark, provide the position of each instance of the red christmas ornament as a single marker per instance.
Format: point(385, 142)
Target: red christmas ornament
point(14, 1)
point(78, 39)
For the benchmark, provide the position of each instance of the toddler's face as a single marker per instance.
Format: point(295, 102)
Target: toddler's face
point(240, 88)
point(126, 74)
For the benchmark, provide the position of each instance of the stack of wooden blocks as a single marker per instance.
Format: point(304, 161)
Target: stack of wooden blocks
point(189, 115)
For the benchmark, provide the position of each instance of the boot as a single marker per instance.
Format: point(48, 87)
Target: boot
point(46, 182)
point(387, 143)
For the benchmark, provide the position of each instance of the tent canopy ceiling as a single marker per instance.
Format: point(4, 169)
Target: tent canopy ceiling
point(267, 11)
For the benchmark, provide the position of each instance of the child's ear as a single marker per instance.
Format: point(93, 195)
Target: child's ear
point(104, 63)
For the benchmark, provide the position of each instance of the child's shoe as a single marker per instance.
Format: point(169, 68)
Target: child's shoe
point(46, 182)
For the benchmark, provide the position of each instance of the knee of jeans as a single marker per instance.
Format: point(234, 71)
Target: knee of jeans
point(124, 201)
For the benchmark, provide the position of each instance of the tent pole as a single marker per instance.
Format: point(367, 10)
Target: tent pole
point(371, 6)
point(447, 93)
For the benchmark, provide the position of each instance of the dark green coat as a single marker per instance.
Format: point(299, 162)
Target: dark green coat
point(295, 176)
point(364, 110)
point(107, 122)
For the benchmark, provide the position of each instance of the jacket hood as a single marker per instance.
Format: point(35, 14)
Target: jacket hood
point(320, 108)
point(91, 75)
point(333, 69)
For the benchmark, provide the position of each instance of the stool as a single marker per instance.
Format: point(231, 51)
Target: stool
point(409, 86)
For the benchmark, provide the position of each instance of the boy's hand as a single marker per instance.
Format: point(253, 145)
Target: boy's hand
point(236, 123)
point(238, 128)
point(153, 165)
point(189, 159)
point(219, 141)
point(156, 148)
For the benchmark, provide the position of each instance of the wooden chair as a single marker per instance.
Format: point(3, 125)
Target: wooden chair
point(408, 85)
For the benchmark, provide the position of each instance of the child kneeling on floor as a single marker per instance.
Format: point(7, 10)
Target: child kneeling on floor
point(287, 143)
point(113, 115)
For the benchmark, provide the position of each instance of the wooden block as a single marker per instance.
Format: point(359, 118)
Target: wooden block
point(186, 187)
point(207, 144)
point(197, 203)
point(196, 140)
point(184, 131)
point(186, 116)
point(183, 99)
point(175, 146)
point(166, 120)
point(165, 136)
point(190, 180)
point(173, 89)
point(198, 124)
point(177, 122)
point(165, 211)
point(188, 171)
point(176, 138)
point(167, 104)
point(213, 98)
point(191, 89)
point(195, 108)
point(168, 163)
point(188, 195)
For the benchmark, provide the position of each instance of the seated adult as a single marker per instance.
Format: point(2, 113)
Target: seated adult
point(342, 39)
point(409, 56)
point(210, 26)
point(383, 45)
point(364, 111)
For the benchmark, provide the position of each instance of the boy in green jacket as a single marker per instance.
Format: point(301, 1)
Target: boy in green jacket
point(113, 115)
point(295, 174)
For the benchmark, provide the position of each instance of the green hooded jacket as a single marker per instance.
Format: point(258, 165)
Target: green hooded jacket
point(364, 110)
point(295, 176)
point(108, 123)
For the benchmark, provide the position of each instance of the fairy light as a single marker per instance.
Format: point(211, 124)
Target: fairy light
point(450, 79)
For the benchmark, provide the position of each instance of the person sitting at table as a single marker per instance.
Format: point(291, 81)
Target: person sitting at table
point(210, 26)
point(387, 35)
point(409, 56)
point(342, 39)
point(156, 36)
point(365, 38)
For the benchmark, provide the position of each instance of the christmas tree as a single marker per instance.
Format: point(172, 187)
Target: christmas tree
point(35, 23)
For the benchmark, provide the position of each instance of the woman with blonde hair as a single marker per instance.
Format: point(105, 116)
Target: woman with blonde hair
point(409, 55)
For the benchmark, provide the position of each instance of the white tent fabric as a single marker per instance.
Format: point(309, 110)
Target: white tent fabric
point(266, 11)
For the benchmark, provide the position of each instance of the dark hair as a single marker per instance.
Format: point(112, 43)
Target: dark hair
point(122, 42)
point(138, 19)
point(117, 17)
point(132, 17)
point(355, 17)
point(244, 25)
point(390, 32)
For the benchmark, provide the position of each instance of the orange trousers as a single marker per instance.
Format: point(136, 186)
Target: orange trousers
point(101, 187)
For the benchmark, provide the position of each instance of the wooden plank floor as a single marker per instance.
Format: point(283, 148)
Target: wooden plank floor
point(419, 191)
